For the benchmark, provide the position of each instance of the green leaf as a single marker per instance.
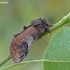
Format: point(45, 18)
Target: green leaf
point(58, 51)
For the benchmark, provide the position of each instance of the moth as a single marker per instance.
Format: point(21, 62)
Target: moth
point(22, 42)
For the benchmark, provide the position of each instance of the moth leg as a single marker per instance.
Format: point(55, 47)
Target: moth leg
point(35, 36)
point(24, 27)
point(47, 29)
point(16, 35)
point(49, 25)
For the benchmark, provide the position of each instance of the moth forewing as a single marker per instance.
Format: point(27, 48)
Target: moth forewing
point(22, 42)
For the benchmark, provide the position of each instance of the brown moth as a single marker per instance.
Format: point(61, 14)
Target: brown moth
point(22, 41)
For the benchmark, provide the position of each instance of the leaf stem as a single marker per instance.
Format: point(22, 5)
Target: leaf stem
point(3, 61)
point(63, 21)
point(33, 61)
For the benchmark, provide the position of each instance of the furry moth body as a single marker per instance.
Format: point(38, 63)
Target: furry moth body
point(22, 41)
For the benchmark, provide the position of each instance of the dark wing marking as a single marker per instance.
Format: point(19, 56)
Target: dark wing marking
point(20, 52)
